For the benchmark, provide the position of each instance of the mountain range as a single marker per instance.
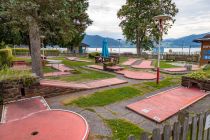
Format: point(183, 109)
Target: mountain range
point(95, 41)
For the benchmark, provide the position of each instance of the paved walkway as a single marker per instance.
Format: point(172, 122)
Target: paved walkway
point(77, 59)
point(58, 73)
point(112, 68)
point(60, 67)
point(130, 62)
point(182, 69)
point(87, 85)
point(95, 115)
point(137, 75)
point(145, 64)
point(98, 67)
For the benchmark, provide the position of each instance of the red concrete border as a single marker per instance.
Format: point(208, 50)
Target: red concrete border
point(165, 104)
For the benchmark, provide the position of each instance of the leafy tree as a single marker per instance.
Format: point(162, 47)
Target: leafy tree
point(53, 18)
point(138, 24)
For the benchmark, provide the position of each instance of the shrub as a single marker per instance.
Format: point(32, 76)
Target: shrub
point(200, 75)
point(20, 51)
point(5, 57)
point(93, 54)
point(3, 45)
point(51, 52)
point(25, 77)
point(207, 67)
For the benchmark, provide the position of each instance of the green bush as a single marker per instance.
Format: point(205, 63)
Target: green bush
point(7, 74)
point(51, 52)
point(93, 54)
point(20, 51)
point(207, 67)
point(5, 57)
point(200, 75)
point(3, 45)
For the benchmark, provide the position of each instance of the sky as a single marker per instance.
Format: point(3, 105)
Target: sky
point(193, 18)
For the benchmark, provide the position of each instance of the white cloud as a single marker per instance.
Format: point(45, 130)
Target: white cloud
point(193, 18)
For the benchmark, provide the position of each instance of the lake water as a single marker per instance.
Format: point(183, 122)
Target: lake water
point(133, 50)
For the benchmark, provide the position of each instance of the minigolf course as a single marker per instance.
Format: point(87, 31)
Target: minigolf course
point(137, 75)
point(145, 64)
point(167, 103)
point(32, 119)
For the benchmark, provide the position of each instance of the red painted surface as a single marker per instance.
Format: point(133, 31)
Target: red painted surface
point(59, 73)
point(77, 59)
point(129, 62)
point(138, 75)
point(145, 64)
point(96, 67)
point(166, 104)
point(50, 125)
point(86, 85)
point(23, 108)
point(60, 67)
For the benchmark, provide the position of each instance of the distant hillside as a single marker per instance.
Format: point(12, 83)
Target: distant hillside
point(96, 41)
point(183, 41)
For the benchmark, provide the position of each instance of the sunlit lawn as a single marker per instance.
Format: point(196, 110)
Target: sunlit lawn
point(110, 96)
point(106, 97)
point(122, 129)
point(48, 69)
point(165, 64)
point(82, 74)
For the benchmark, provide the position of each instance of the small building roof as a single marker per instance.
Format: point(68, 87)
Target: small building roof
point(206, 38)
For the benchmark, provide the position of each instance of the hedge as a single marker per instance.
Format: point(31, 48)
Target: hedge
point(5, 57)
point(93, 54)
point(25, 51)
point(51, 52)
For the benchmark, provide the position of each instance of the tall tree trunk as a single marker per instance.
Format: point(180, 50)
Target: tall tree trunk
point(138, 46)
point(35, 44)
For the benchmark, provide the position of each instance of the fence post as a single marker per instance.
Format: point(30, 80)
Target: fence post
point(205, 133)
point(194, 128)
point(156, 134)
point(131, 137)
point(144, 136)
point(200, 127)
point(176, 131)
point(167, 132)
point(185, 128)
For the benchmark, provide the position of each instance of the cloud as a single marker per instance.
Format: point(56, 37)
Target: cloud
point(193, 18)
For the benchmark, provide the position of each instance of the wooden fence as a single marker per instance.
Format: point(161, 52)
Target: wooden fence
point(194, 129)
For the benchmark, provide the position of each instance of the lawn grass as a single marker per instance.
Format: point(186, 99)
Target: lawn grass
point(27, 59)
point(168, 82)
point(82, 74)
point(47, 69)
point(123, 59)
point(110, 96)
point(122, 129)
point(165, 64)
point(106, 97)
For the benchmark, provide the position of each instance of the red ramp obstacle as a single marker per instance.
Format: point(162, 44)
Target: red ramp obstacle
point(165, 104)
point(47, 125)
point(137, 75)
point(32, 119)
point(23, 108)
point(145, 64)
